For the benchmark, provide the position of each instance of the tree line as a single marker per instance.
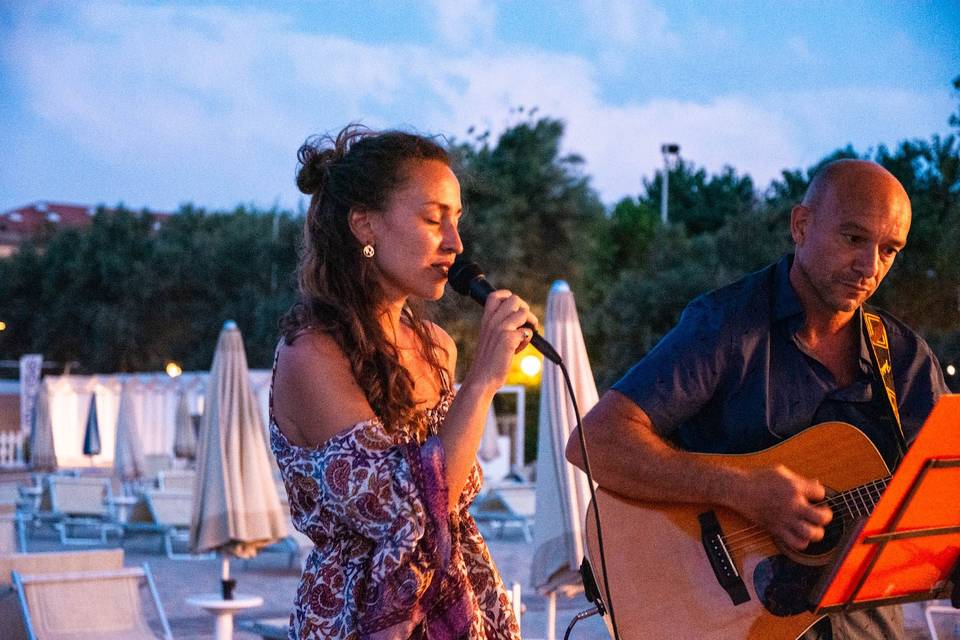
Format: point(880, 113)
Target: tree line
point(121, 295)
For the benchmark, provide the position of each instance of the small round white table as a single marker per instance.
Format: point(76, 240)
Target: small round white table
point(223, 610)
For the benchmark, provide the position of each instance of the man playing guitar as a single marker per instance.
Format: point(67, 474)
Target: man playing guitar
point(762, 359)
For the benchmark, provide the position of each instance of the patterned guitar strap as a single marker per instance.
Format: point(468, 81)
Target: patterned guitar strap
point(880, 350)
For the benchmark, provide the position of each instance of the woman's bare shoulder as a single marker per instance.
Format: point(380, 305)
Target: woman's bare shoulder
point(315, 395)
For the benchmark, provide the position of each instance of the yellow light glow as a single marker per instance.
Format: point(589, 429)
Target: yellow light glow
point(520, 368)
point(173, 369)
point(951, 370)
point(530, 365)
point(3, 325)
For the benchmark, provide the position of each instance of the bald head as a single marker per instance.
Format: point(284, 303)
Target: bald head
point(852, 183)
point(853, 222)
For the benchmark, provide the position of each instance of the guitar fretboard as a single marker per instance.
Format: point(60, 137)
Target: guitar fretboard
point(860, 501)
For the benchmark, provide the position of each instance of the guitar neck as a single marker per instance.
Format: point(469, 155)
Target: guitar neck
point(859, 501)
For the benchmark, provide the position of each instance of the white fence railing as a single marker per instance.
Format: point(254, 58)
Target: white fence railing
point(11, 449)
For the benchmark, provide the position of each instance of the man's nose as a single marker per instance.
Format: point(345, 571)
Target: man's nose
point(867, 264)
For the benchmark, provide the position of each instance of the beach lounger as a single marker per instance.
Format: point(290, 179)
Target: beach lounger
point(13, 535)
point(82, 503)
point(12, 627)
point(171, 512)
point(155, 463)
point(176, 480)
point(266, 628)
point(82, 605)
point(507, 505)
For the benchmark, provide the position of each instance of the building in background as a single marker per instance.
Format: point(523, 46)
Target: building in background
point(40, 220)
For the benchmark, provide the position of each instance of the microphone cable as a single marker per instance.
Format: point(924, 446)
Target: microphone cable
point(596, 514)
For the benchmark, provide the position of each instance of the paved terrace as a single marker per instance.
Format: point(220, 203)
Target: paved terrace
point(268, 576)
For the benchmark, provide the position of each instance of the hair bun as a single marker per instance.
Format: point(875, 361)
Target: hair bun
point(314, 168)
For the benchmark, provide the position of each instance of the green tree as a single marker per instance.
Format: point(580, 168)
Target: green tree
point(529, 208)
point(700, 202)
point(530, 218)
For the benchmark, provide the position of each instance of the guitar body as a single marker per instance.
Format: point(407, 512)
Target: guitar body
point(662, 580)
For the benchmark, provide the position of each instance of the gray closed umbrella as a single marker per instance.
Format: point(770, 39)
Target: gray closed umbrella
point(91, 434)
point(562, 491)
point(43, 455)
point(236, 508)
point(128, 458)
point(184, 437)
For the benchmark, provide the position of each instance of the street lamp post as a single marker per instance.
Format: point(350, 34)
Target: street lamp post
point(667, 149)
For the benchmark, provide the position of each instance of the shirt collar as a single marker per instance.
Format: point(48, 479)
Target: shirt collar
point(786, 304)
point(787, 307)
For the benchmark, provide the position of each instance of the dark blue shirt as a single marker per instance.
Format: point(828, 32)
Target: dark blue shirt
point(731, 377)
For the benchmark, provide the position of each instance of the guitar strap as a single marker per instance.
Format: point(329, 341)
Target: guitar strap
point(883, 369)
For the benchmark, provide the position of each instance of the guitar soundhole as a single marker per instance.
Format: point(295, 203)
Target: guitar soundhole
point(832, 534)
point(783, 586)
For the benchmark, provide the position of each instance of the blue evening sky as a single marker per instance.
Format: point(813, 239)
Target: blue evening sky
point(159, 103)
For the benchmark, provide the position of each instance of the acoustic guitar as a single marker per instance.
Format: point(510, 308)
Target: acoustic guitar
point(683, 570)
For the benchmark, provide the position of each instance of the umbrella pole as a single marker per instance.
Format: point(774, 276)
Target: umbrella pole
point(226, 583)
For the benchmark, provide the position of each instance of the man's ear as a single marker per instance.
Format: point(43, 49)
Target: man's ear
point(361, 224)
point(799, 223)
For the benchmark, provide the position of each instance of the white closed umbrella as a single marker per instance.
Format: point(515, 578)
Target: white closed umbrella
point(562, 491)
point(236, 509)
point(184, 437)
point(489, 447)
point(128, 459)
point(43, 455)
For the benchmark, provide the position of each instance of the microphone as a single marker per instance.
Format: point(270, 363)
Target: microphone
point(467, 279)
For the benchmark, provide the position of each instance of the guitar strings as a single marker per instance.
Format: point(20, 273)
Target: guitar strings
point(753, 535)
point(872, 490)
point(736, 539)
point(759, 537)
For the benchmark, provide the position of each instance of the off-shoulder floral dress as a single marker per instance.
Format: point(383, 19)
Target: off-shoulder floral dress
point(390, 561)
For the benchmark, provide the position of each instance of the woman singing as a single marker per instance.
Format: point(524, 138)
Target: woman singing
point(377, 454)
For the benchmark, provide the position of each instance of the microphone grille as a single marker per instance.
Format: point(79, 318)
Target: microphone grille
point(461, 274)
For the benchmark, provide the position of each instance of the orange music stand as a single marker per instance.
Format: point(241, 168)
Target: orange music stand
point(909, 548)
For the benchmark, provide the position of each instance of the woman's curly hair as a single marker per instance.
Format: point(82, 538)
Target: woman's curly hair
point(339, 291)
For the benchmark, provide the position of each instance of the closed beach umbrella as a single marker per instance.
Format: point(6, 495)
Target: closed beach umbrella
point(489, 447)
point(43, 456)
point(91, 435)
point(562, 491)
point(236, 509)
point(184, 437)
point(128, 459)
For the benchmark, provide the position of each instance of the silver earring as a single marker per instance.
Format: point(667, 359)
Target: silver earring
point(368, 250)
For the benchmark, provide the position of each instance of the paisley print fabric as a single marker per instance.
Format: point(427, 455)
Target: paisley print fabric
point(390, 561)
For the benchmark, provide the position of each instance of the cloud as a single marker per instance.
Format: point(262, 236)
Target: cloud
point(798, 49)
point(209, 104)
point(629, 25)
point(463, 24)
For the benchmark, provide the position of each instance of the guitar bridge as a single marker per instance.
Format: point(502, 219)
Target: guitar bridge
point(723, 568)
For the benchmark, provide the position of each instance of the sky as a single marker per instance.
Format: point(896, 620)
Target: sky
point(156, 104)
